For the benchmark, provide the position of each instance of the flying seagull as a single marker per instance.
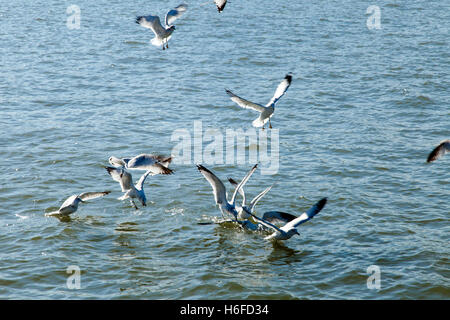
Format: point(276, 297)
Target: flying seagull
point(289, 229)
point(267, 111)
point(155, 163)
point(439, 151)
point(131, 191)
point(162, 33)
point(220, 193)
point(71, 204)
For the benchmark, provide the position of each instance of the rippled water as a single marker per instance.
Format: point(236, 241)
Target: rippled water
point(364, 110)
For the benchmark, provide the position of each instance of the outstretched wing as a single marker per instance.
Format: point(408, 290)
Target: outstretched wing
point(306, 216)
point(281, 89)
point(244, 103)
point(266, 223)
point(173, 14)
point(220, 194)
point(149, 162)
point(278, 217)
point(141, 181)
point(258, 197)
point(151, 22)
point(92, 195)
point(242, 183)
point(220, 4)
point(122, 176)
point(241, 190)
point(439, 151)
point(117, 162)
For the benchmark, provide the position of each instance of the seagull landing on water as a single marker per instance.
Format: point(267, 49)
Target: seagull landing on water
point(267, 111)
point(71, 204)
point(132, 191)
point(289, 229)
point(162, 34)
point(220, 192)
point(439, 151)
point(155, 163)
point(244, 211)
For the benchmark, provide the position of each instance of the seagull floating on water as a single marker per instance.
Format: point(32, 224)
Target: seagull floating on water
point(155, 163)
point(121, 175)
point(439, 151)
point(162, 34)
point(267, 111)
point(289, 229)
point(220, 193)
point(71, 204)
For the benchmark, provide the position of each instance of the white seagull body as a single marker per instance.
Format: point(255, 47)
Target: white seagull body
point(220, 193)
point(71, 204)
point(266, 111)
point(131, 191)
point(162, 33)
point(148, 162)
point(439, 151)
point(289, 229)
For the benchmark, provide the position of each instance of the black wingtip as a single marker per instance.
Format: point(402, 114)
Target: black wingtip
point(232, 181)
point(322, 202)
point(288, 77)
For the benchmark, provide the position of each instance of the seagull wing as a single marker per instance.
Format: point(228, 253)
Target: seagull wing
point(306, 216)
point(173, 14)
point(69, 202)
point(281, 89)
point(244, 103)
point(151, 22)
point(439, 151)
point(241, 190)
point(278, 217)
point(122, 176)
point(242, 183)
point(219, 190)
point(140, 183)
point(266, 223)
point(117, 162)
point(148, 162)
point(258, 197)
point(92, 195)
point(220, 4)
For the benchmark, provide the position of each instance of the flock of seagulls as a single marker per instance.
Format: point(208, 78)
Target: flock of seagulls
point(280, 225)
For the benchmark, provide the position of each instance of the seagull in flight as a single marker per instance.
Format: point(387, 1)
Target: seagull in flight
point(220, 193)
point(289, 229)
point(155, 163)
point(439, 151)
point(162, 33)
point(266, 111)
point(131, 191)
point(71, 204)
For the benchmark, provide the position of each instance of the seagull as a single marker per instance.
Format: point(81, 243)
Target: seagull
point(155, 163)
point(267, 111)
point(439, 151)
point(220, 193)
point(162, 34)
point(71, 204)
point(244, 211)
point(289, 229)
point(131, 191)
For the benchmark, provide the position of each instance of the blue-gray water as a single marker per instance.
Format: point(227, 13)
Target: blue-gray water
point(364, 110)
